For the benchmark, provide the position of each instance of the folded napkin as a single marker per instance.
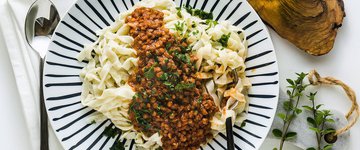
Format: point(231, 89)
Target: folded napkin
point(25, 63)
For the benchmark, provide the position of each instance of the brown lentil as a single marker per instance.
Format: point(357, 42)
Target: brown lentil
point(181, 115)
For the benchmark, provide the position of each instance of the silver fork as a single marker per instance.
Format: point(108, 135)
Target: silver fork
point(40, 23)
point(229, 127)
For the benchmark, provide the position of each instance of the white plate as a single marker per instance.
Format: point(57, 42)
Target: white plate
point(62, 86)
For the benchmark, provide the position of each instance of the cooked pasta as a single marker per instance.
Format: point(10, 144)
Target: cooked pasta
point(215, 51)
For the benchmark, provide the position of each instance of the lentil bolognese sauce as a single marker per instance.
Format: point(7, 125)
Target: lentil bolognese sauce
point(169, 98)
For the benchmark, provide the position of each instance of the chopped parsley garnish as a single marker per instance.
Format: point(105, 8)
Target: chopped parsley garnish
point(93, 122)
point(224, 39)
point(185, 49)
point(150, 73)
point(193, 25)
point(195, 32)
point(169, 85)
point(243, 124)
point(179, 26)
point(167, 46)
point(198, 12)
point(158, 109)
point(203, 14)
point(111, 132)
point(179, 13)
point(137, 95)
point(182, 86)
point(164, 76)
point(211, 22)
point(200, 99)
point(139, 116)
point(118, 146)
point(173, 76)
point(184, 58)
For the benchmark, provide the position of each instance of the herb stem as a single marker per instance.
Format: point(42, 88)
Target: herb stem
point(321, 134)
point(291, 108)
point(288, 123)
point(285, 121)
point(318, 138)
point(283, 138)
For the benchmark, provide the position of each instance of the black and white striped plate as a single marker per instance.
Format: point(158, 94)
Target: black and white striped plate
point(62, 86)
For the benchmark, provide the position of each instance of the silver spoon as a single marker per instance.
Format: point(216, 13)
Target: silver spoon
point(40, 23)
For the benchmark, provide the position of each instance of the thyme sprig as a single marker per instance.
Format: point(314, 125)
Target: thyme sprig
point(317, 122)
point(295, 92)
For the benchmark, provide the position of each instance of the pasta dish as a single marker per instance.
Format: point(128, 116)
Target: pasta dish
point(166, 75)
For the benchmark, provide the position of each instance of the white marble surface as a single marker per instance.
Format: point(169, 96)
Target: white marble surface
point(341, 63)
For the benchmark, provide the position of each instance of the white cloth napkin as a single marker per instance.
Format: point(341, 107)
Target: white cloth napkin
point(25, 64)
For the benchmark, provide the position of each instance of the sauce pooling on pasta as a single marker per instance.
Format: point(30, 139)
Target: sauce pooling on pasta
point(169, 99)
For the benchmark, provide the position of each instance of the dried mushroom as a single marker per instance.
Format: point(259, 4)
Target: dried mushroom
point(309, 24)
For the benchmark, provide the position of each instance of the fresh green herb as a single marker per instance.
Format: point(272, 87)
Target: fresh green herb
point(167, 46)
point(193, 25)
point(155, 58)
point(243, 124)
point(93, 122)
point(182, 86)
point(189, 9)
point(317, 122)
point(200, 100)
point(224, 39)
point(211, 22)
point(179, 26)
point(150, 73)
point(183, 40)
point(179, 13)
point(173, 77)
point(158, 109)
point(291, 107)
point(118, 146)
point(202, 14)
point(139, 115)
point(195, 32)
point(164, 76)
point(136, 95)
point(198, 12)
point(169, 85)
point(111, 132)
point(184, 58)
point(185, 49)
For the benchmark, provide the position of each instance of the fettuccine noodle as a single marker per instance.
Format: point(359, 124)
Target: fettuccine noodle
point(112, 60)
